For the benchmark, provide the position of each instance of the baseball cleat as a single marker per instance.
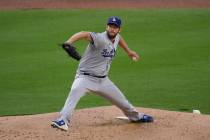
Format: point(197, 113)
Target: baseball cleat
point(146, 119)
point(60, 124)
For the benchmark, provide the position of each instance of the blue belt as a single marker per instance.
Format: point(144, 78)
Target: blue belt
point(97, 76)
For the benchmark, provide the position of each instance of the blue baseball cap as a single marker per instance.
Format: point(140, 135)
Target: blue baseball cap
point(114, 20)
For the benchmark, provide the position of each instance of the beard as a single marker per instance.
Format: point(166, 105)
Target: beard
point(111, 37)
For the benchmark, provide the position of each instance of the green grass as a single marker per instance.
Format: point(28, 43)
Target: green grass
point(173, 74)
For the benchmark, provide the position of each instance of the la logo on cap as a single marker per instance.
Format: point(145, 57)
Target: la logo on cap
point(114, 19)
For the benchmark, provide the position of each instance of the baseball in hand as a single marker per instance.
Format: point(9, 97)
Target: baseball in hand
point(134, 58)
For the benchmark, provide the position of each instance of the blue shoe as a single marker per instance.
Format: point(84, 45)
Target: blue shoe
point(146, 119)
point(60, 124)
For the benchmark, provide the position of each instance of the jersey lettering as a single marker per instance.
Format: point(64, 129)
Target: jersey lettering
point(106, 53)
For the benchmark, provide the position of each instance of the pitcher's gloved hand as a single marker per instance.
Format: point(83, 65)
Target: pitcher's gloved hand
point(71, 50)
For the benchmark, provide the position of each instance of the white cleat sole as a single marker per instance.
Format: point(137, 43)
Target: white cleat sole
point(63, 127)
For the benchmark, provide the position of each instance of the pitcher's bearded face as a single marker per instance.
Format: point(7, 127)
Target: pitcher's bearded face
point(112, 30)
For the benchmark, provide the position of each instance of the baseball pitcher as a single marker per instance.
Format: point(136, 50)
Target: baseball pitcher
point(92, 72)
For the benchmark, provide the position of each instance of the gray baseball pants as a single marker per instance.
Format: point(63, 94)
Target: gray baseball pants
point(100, 86)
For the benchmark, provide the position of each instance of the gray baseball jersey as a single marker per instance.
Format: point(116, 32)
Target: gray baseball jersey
point(98, 55)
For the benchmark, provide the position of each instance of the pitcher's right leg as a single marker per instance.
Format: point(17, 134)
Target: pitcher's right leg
point(78, 90)
point(73, 98)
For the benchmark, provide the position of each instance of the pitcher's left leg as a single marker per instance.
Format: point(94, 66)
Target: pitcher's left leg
point(109, 91)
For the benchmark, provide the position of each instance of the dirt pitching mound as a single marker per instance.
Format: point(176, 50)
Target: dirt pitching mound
point(100, 124)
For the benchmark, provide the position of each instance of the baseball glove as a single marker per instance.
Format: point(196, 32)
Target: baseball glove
point(71, 50)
